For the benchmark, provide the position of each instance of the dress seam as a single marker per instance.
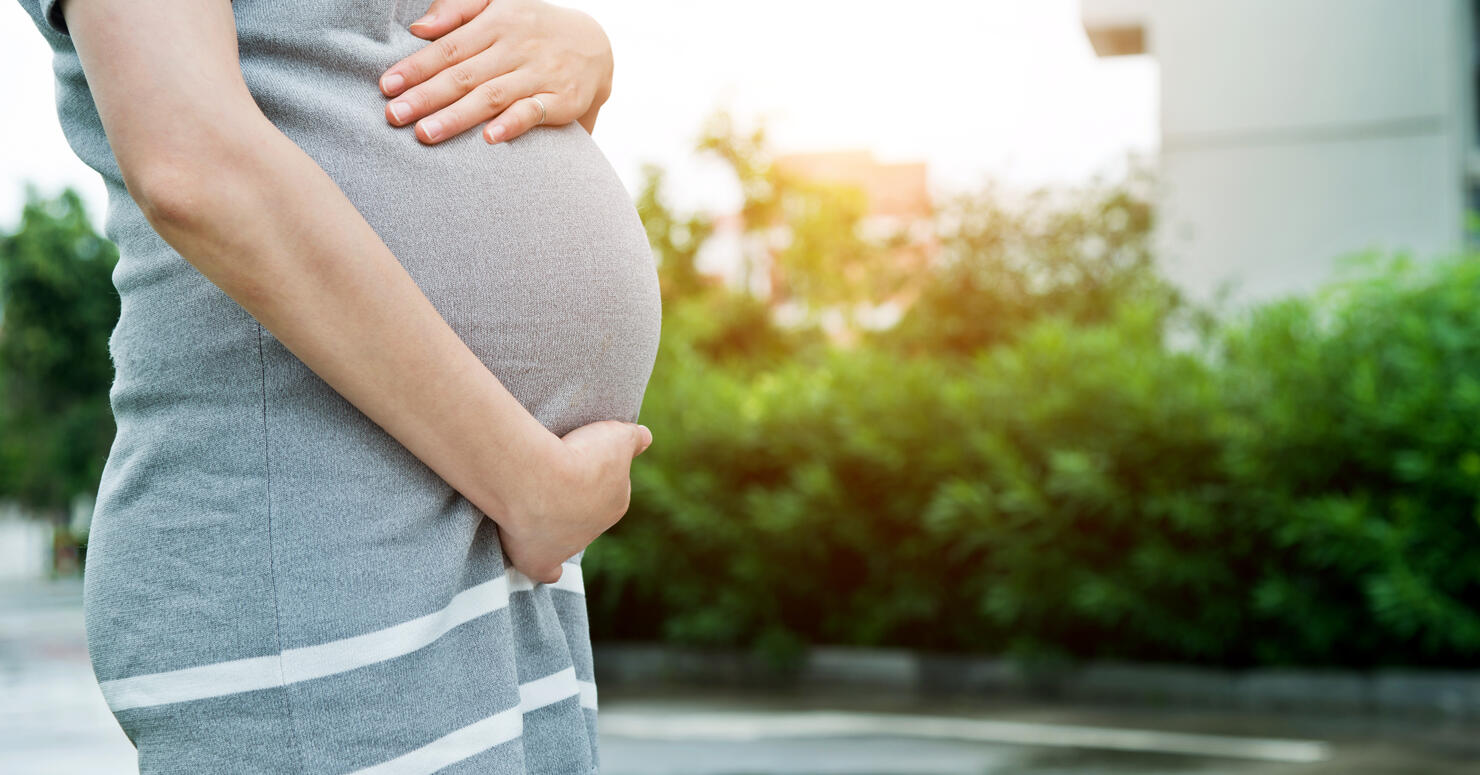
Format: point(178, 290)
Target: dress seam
point(277, 616)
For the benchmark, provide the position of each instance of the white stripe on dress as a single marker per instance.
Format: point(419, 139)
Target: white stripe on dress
point(588, 694)
point(480, 736)
point(338, 656)
point(451, 749)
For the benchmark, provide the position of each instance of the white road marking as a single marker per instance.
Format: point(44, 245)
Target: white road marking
point(745, 727)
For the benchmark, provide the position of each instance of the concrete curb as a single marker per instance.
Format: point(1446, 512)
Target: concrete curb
point(1405, 692)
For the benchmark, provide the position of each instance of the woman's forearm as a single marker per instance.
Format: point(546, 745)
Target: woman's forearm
point(272, 230)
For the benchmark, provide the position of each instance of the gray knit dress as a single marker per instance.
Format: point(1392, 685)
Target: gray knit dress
point(274, 584)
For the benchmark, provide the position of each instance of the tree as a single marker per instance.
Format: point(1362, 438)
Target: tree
point(1073, 254)
point(675, 241)
point(58, 307)
point(812, 231)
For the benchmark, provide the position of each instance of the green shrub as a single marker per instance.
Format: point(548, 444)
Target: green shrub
point(1358, 448)
point(1303, 490)
point(1032, 498)
point(57, 307)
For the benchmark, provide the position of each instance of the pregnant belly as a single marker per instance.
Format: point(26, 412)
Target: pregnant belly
point(532, 251)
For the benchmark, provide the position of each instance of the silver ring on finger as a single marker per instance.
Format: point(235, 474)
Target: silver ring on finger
point(543, 113)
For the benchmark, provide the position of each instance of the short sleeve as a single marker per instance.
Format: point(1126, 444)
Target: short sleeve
point(51, 14)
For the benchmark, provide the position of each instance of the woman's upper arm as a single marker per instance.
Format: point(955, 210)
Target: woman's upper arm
point(167, 82)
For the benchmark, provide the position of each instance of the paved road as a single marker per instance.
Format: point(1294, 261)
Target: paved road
point(53, 721)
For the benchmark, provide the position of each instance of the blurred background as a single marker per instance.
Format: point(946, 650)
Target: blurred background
point(1065, 386)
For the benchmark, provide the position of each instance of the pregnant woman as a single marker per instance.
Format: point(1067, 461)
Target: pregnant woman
point(377, 381)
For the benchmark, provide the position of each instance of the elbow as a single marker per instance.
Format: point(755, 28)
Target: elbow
point(204, 209)
point(171, 192)
point(193, 179)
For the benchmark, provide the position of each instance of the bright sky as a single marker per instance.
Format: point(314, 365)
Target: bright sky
point(989, 89)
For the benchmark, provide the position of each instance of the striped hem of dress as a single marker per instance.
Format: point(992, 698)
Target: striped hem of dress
point(307, 663)
point(340, 656)
point(497, 729)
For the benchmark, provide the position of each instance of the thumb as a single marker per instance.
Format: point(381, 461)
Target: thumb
point(642, 438)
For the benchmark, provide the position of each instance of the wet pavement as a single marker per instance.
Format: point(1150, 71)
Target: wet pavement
point(53, 721)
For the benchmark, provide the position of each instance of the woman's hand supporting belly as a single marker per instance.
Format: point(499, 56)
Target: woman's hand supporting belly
point(258, 218)
point(488, 59)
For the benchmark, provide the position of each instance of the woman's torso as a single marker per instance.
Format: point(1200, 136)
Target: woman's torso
point(247, 511)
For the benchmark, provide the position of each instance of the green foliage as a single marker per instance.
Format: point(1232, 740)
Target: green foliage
point(675, 240)
point(825, 261)
point(1069, 253)
point(59, 307)
point(1033, 498)
point(735, 330)
point(1356, 427)
point(1302, 490)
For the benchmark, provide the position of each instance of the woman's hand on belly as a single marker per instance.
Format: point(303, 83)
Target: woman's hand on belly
point(489, 59)
point(571, 496)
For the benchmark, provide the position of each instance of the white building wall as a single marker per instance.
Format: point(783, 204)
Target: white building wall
point(1298, 131)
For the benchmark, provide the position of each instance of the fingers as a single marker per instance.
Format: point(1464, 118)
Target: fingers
point(608, 438)
point(450, 49)
point(446, 15)
point(446, 87)
point(524, 566)
point(486, 100)
point(642, 438)
point(520, 118)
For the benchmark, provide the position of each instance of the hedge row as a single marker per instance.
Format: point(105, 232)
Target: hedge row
point(1299, 487)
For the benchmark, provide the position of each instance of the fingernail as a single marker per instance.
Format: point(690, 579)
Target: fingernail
point(392, 82)
point(497, 133)
point(432, 128)
point(425, 20)
point(400, 110)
